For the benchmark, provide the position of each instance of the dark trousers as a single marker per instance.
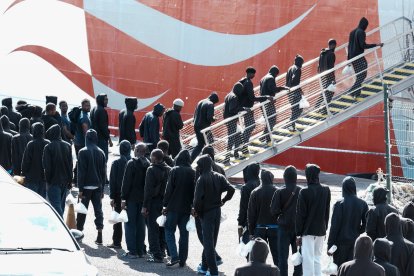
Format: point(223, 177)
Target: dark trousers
point(343, 254)
point(270, 236)
point(173, 220)
point(75, 170)
point(249, 125)
point(360, 66)
point(117, 235)
point(96, 197)
point(57, 197)
point(103, 145)
point(294, 99)
point(135, 229)
point(210, 223)
point(200, 142)
point(37, 187)
point(271, 117)
point(234, 138)
point(326, 81)
point(154, 211)
point(175, 146)
point(200, 235)
point(286, 239)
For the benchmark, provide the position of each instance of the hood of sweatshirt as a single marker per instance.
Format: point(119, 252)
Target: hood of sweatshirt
point(259, 252)
point(5, 122)
point(348, 187)
point(251, 172)
point(37, 111)
point(380, 195)
point(7, 102)
point(4, 110)
point(409, 211)
point(408, 228)
point(393, 226)
point(274, 71)
point(238, 89)
point(213, 98)
point(205, 164)
point(131, 103)
point(91, 138)
point(363, 248)
point(312, 174)
point(100, 100)
point(54, 133)
point(38, 131)
point(1, 127)
point(382, 250)
point(24, 126)
point(290, 175)
point(363, 23)
point(158, 109)
point(183, 158)
point(299, 61)
point(125, 149)
point(267, 177)
point(209, 150)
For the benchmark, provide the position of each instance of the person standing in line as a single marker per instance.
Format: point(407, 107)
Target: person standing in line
point(312, 217)
point(100, 123)
point(127, 121)
point(66, 129)
point(4, 111)
point(91, 181)
point(32, 167)
point(5, 149)
point(149, 129)
point(13, 115)
point(58, 164)
point(164, 146)
point(382, 256)
point(115, 186)
point(25, 109)
point(49, 118)
point(172, 124)
point(36, 115)
point(6, 125)
point(203, 118)
point(82, 125)
point(19, 144)
point(292, 80)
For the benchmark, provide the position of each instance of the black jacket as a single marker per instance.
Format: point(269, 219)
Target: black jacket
point(382, 256)
point(99, 118)
point(118, 169)
point(127, 121)
point(32, 167)
point(13, 115)
point(36, 115)
point(209, 187)
point(294, 73)
point(172, 124)
point(168, 160)
point(48, 121)
point(6, 125)
point(357, 37)
point(408, 229)
point(204, 112)
point(232, 103)
point(268, 83)
point(252, 181)
point(155, 182)
point(26, 110)
point(408, 211)
point(149, 129)
point(248, 97)
point(328, 61)
point(5, 149)
point(57, 159)
point(133, 182)
point(91, 163)
point(312, 213)
point(179, 193)
point(19, 143)
point(348, 217)
point(376, 215)
point(215, 166)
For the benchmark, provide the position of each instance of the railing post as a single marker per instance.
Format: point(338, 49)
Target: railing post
point(267, 121)
point(387, 142)
point(324, 98)
point(378, 64)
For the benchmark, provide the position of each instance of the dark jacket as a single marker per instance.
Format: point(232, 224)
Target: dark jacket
point(286, 214)
point(5, 148)
point(252, 181)
point(179, 193)
point(376, 215)
point(257, 264)
point(19, 143)
point(312, 213)
point(204, 112)
point(248, 97)
point(328, 60)
point(357, 37)
point(57, 159)
point(13, 115)
point(168, 160)
point(118, 169)
point(99, 118)
point(210, 185)
point(32, 167)
point(216, 167)
point(408, 211)
point(48, 121)
point(91, 163)
point(26, 110)
point(294, 73)
point(5, 111)
point(382, 256)
point(37, 115)
point(348, 217)
point(127, 121)
point(362, 263)
point(155, 183)
point(133, 182)
point(149, 129)
point(6, 125)
point(172, 124)
point(232, 103)
point(268, 83)
point(408, 229)
point(402, 252)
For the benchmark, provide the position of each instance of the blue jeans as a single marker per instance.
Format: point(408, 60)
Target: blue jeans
point(154, 211)
point(96, 197)
point(173, 220)
point(37, 187)
point(286, 239)
point(210, 222)
point(135, 229)
point(57, 198)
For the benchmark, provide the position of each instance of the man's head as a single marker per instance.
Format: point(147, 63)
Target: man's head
point(157, 156)
point(140, 150)
point(363, 23)
point(312, 173)
point(51, 109)
point(102, 100)
point(332, 44)
point(213, 97)
point(299, 61)
point(274, 71)
point(164, 146)
point(86, 105)
point(250, 72)
point(158, 110)
point(178, 104)
point(63, 105)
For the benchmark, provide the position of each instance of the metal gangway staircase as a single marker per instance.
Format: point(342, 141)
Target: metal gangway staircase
point(390, 65)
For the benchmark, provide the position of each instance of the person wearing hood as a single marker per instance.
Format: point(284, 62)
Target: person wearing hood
point(57, 163)
point(172, 124)
point(155, 182)
point(132, 195)
point(13, 115)
point(100, 123)
point(408, 221)
point(382, 256)
point(292, 80)
point(6, 125)
point(127, 121)
point(164, 146)
point(115, 185)
point(257, 264)
point(49, 118)
point(362, 263)
point(66, 127)
point(149, 129)
point(25, 109)
point(375, 227)
point(347, 223)
point(5, 149)
point(203, 118)
point(36, 115)
point(356, 47)
point(269, 88)
point(408, 211)
point(402, 252)
point(283, 207)
point(91, 181)
point(312, 217)
point(178, 199)
point(32, 167)
point(19, 143)
point(5, 111)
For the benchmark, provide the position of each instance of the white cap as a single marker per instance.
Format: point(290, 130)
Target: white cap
point(178, 102)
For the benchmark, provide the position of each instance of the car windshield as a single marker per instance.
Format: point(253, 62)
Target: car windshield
point(32, 226)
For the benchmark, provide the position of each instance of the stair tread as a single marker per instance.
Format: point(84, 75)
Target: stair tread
point(395, 76)
point(338, 102)
point(402, 70)
point(372, 86)
point(347, 97)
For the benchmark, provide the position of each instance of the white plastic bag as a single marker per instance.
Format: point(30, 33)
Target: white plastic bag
point(80, 208)
point(190, 226)
point(223, 217)
point(70, 199)
point(123, 216)
point(247, 248)
point(239, 128)
point(161, 220)
point(193, 143)
point(240, 248)
point(114, 217)
point(348, 71)
point(296, 258)
point(331, 87)
point(331, 268)
point(303, 103)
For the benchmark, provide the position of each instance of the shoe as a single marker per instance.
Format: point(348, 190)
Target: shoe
point(128, 255)
point(114, 246)
point(219, 262)
point(172, 263)
point(200, 270)
point(227, 164)
point(152, 259)
point(236, 155)
point(209, 274)
point(98, 240)
point(182, 264)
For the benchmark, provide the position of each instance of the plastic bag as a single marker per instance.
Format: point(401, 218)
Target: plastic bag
point(193, 143)
point(331, 268)
point(331, 87)
point(247, 248)
point(223, 217)
point(80, 208)
point(161, 220)
point(123, 216)
point(303, 103)
point(70, 199)
point(239, 128)
point(190, 226)
point(114, 218)
point(348, 71)
point(296, 258)
point(240, 248)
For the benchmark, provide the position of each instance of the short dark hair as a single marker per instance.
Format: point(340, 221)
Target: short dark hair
point(163, 145)
point(85, 101)
point(62, 102)
point(158, 155)
point(250, 69)
point(50, 107)
point(332, 41)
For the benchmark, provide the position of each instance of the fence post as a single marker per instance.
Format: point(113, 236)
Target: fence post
point(267, 120)
point(387, 142)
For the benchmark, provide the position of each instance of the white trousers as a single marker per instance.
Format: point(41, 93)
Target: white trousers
point(311, 255)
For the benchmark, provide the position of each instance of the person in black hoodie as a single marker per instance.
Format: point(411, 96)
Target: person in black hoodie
point(57, 163)
point(408, 229)
point(260, 219)
point(283, 206)
point(115, 185)
point(6, 125)
point(127, 121)
point(32, 167)
point(36, 115)
point(172, 124)
point(402, 252)
point(132, 195)
point(257, 264)
point(382, 256)
point(362, 263)
point(357, 46)
point(19, 143)
point(25, 109)
point(149, 129)
point(49, 118)
point(91, 181)
point(178, 199)
point(408, 211)
point(155, 182)
point(5, 111)
point(203, 118)
point(164, 146)
point(5, 149)
point(375, 227)
point(347, 223)
point(292, 80)
point(99, 121)
point(312, 217)
point(13, 115)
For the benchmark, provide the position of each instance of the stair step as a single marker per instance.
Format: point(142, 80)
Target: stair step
point(367, 93)
point(341, 103)
point(350, 98)
point(278, 137)
point(409, 65)
point(307, 120)
point(318, 115)
point(336, 110)
point(405, 71)
point(372, 86)
point(285, 132)
point(394, 76)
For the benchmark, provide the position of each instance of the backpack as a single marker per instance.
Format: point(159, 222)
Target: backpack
point(73, 115)
point(323, 61)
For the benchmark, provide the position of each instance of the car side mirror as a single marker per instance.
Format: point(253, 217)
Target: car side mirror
point(78, 235)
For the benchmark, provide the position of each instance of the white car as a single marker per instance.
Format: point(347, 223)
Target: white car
point(34, 240)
